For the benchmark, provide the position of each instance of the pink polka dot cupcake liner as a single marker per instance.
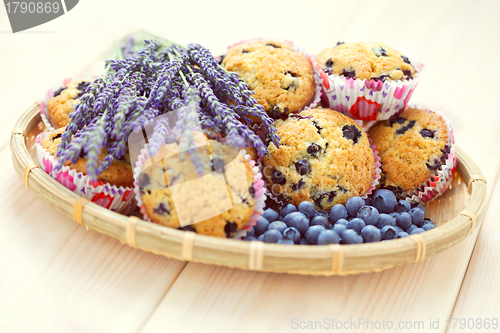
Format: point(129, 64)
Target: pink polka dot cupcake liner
point(119, 199)
point(366, 100)
point(144, 159)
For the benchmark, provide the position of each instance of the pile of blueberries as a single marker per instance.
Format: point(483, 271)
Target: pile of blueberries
point(380, 217)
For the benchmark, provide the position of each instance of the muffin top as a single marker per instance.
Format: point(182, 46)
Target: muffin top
point(412, 146)
point(64, 101)
point(324, 157)
point(365, 61)
point(217, 203)
point(281, 78)
point(119, 173)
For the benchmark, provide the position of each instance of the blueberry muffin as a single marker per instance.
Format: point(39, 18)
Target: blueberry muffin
point(281, 78)
point(324, 157)
point(218, 203)
point(364, 60)
point(119, 173)
point(412, 146)
point(64, 101)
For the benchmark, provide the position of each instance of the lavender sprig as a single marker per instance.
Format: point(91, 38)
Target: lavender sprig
point(139, 86)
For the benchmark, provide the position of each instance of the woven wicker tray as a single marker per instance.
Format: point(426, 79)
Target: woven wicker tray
point(457, 214)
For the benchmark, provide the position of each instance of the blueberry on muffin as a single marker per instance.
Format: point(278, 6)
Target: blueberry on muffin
point(375, 61)
point(324, 157)
point(64, 101)
point(281, 78)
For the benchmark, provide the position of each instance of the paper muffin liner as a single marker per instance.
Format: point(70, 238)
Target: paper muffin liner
point(119, 199)
point(439, 182)
point(258, 185)
point(44, 112)
point(316, 98)
point(373, 185)
point(365, 99)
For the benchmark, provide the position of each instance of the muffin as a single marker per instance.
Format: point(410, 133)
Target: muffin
point(416, 148)
point(219, 203)
point(64, 102)
point(281, 78)
point(367, 81)
point(114, 186)
point(366, 61)
point(324, 157)
point(119, 173)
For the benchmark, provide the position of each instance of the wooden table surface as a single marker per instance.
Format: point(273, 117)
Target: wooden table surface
point(57, 277)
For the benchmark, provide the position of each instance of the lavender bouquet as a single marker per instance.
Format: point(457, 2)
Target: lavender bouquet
point(151, 78)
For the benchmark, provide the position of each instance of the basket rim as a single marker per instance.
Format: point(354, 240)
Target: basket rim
point(326, 259)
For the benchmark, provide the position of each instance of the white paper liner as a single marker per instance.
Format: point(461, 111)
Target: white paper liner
point(442, 177)
point(258, 185)
point(44, 112)
point(118, 199)
point(365, 99)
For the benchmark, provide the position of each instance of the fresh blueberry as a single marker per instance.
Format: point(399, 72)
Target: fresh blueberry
point(285, 241)
point(417, 216)
point(251, 232)
point(328, 237)
point(384, 200)
point(370, 234)
point(287, 209)
point(313, 232)
point(303, 242)
point(398, 229)
point(307, 209)
point(404, 220)
point(260, 238)
point(272, 236)
point(403, 206)
point(343, 221)
point(339, 228)
point(369, 214)
point(356, 224)
point(385, 219)
point(297, 220)
point(351, 237)
point(411, 228)
point(402, 234)
point(271, 215)
point(353, 205)
point(338, 212)
point(320, 220)
point(394, 215)
point(388, 232)
point(278, 225)
point(368, 201)
point(249, 238)
point(417, 231)
point(323, 213)
point(261, 226)
point(422, 208)
point(428, 226)
point(292, 233)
